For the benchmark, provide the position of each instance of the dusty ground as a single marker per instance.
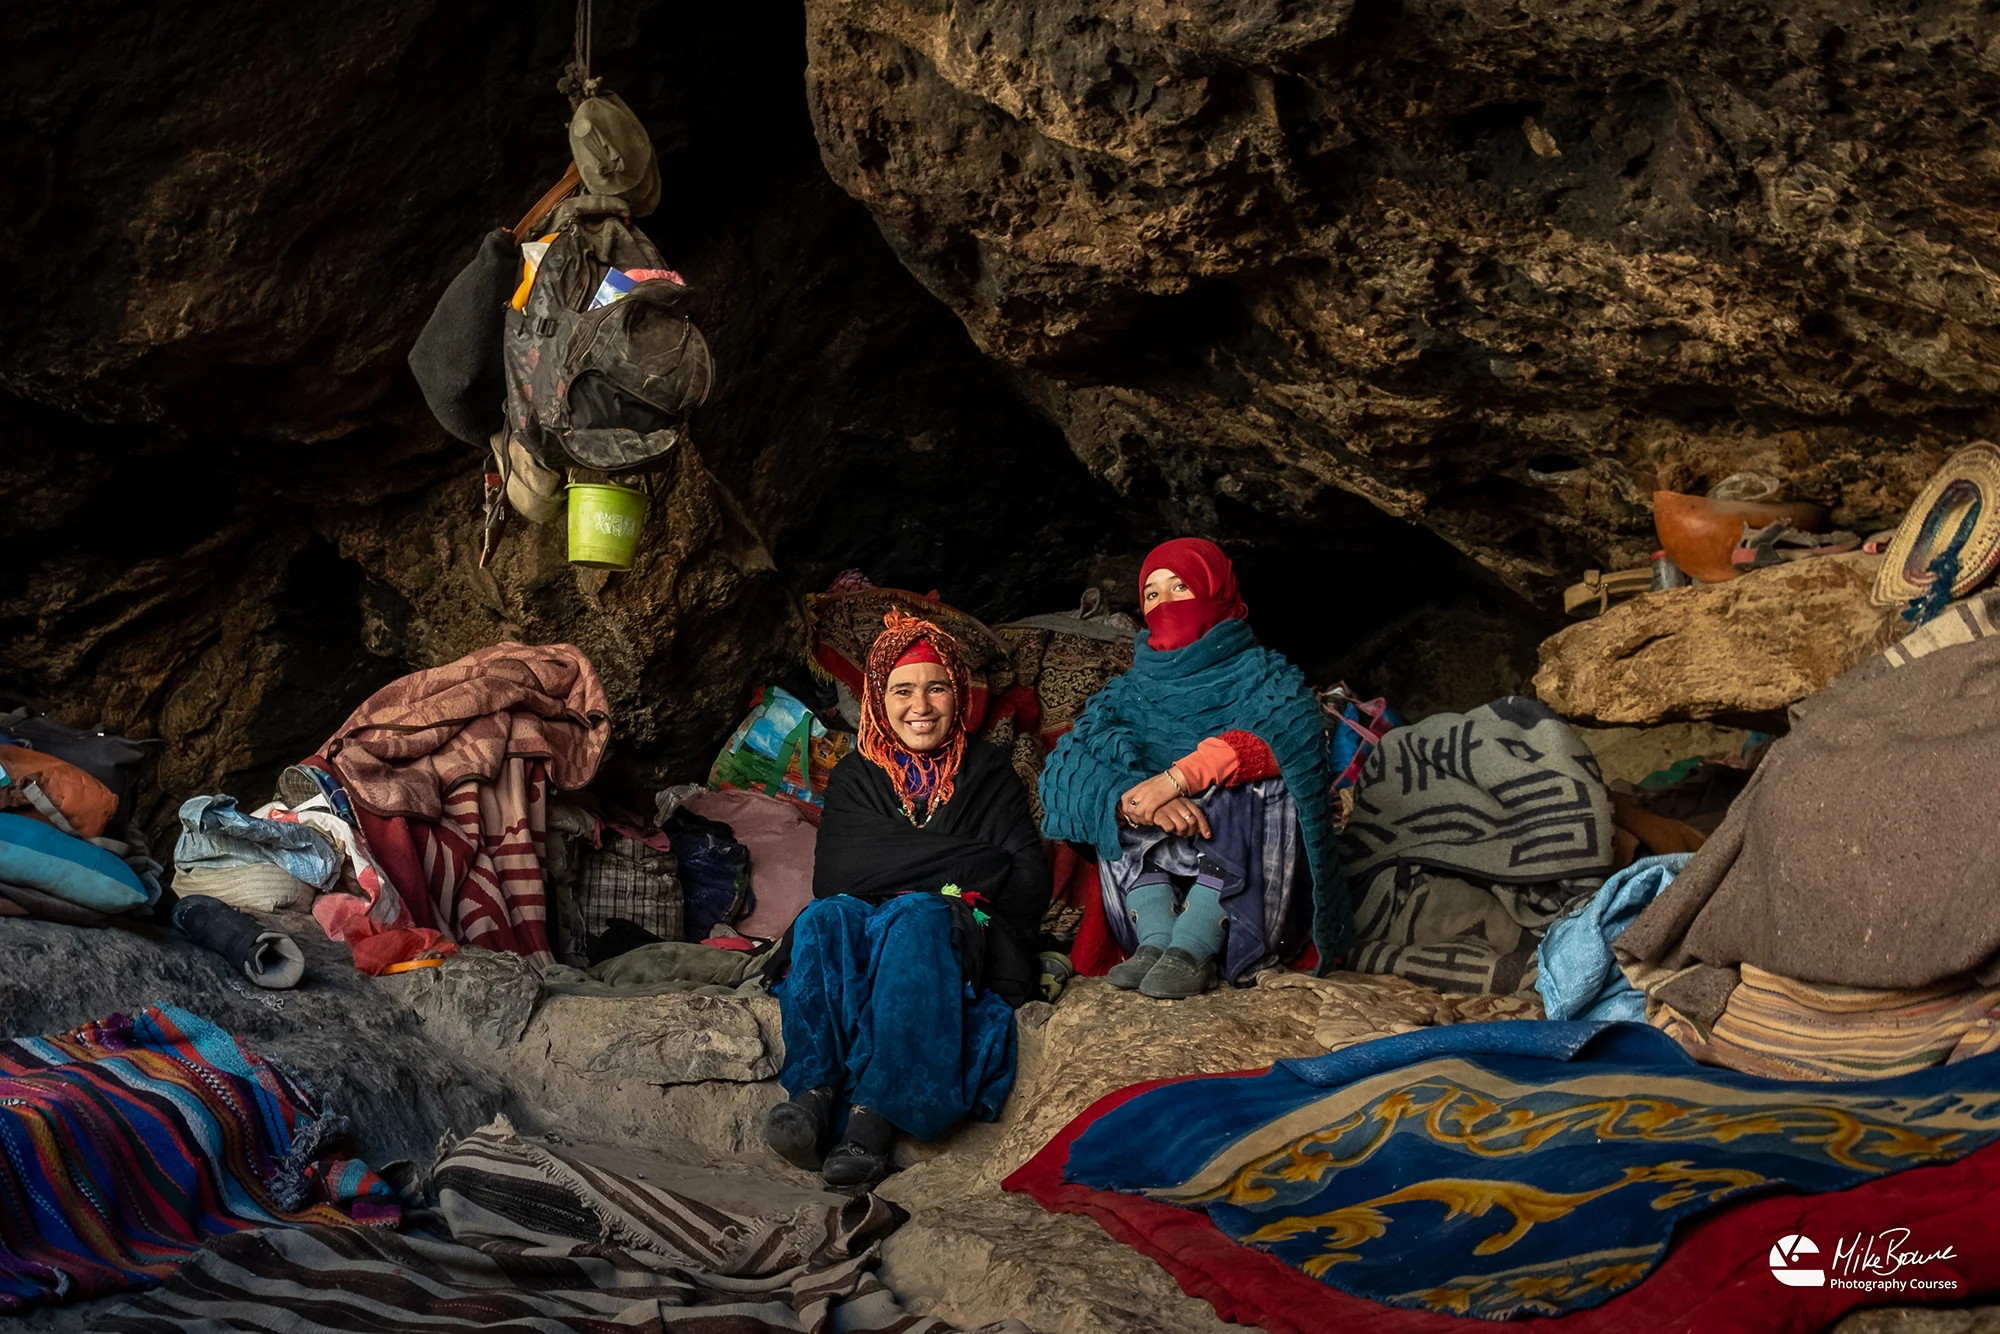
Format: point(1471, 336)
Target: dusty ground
point(682, 1083)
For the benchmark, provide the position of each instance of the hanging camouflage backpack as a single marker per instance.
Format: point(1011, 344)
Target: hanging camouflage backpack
point(597, 383)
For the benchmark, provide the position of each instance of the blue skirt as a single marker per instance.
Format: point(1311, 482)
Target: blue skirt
point(876, 1008)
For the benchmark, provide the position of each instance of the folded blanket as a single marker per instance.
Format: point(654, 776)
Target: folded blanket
point(545, 1240)
point(1786, 1029)
point(1861, 852)
point(420, 737)
point(127, 1144)
point(1506, 793)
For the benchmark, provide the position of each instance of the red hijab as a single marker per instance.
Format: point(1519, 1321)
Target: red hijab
point(1199, 564)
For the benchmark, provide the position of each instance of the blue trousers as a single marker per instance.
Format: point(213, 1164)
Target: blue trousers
point(876, 1008)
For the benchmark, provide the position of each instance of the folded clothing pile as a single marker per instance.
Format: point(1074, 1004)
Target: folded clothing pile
point(251, 862)
point(58, 861)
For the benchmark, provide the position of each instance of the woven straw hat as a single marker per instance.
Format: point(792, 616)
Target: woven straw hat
point(1968, 481)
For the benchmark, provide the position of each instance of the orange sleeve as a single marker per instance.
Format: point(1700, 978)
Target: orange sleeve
point(1213, 763)
point(1227, 760)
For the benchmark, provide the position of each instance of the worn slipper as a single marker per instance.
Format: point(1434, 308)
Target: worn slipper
point(1178, 975)
point(797, 1130)
point(862, 1156)
point(1128, 975)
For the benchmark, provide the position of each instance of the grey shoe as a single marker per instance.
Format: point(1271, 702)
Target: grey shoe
point(1178, 975)
point(1128, 975)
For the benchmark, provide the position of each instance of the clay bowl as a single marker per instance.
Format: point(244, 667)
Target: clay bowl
point(1698, 533)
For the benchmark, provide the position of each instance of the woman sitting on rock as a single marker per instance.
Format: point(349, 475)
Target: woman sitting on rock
point(1201, 776)
point(929, 886)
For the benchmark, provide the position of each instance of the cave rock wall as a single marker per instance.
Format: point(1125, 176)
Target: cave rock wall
point(230, 516)
point(1501, 267)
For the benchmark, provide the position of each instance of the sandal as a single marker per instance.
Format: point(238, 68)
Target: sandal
point(1780, 544)
point(1593, 597)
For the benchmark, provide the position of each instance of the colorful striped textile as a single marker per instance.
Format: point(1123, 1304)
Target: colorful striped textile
point(546, 1241)
point(1782, 1028)
point(127, 1144)
point(483, 861)
point(1511, 1168)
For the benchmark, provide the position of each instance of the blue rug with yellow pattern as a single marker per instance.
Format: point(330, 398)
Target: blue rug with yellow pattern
point(1511, 1168)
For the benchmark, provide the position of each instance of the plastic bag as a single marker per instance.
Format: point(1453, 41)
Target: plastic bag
point(781, 750)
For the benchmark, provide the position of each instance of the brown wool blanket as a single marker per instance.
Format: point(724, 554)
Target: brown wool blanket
point(416, 739)
point(1866, 849)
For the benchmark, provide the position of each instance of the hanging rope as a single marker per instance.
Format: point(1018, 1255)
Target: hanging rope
point(577, 82)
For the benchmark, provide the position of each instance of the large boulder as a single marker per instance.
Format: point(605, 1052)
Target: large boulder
point(1742, 651)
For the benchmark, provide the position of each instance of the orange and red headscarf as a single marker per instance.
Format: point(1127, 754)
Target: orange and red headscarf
point(1199, 564)
point(913, 774)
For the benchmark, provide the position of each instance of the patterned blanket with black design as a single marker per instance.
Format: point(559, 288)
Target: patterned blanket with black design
point(1471, 832)
point(541, 1239)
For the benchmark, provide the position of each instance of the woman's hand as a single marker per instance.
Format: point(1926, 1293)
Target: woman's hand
point(1139, 804)
point(1181, 816)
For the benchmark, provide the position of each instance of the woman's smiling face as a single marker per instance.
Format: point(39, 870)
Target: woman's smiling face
point(920, 705)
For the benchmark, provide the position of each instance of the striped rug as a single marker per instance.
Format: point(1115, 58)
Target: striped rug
point(540, 1240)
point(1782, 1028)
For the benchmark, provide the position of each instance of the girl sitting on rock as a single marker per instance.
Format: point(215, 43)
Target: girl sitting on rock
point(929, 886)
point(1201, 776)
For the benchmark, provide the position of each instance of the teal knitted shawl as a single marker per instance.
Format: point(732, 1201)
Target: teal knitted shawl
point(1168, 704)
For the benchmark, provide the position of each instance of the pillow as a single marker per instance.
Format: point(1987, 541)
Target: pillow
point(84, 802)
point(44, 858)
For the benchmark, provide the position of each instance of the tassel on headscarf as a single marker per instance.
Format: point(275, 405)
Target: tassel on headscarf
point(914, 775)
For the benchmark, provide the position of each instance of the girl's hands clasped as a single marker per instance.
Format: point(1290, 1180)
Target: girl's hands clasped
point(1181, 816)
point(1143, 800)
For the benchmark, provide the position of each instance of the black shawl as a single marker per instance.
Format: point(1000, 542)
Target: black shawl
point(984, 839)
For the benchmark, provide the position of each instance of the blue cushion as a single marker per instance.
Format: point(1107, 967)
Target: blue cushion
point(43, 857)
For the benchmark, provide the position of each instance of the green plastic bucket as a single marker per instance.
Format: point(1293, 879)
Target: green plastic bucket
point(604, 525)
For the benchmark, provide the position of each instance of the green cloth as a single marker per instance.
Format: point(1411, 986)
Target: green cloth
point(657, 970)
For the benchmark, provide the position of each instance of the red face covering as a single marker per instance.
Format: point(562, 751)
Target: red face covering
point(1208, 574)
